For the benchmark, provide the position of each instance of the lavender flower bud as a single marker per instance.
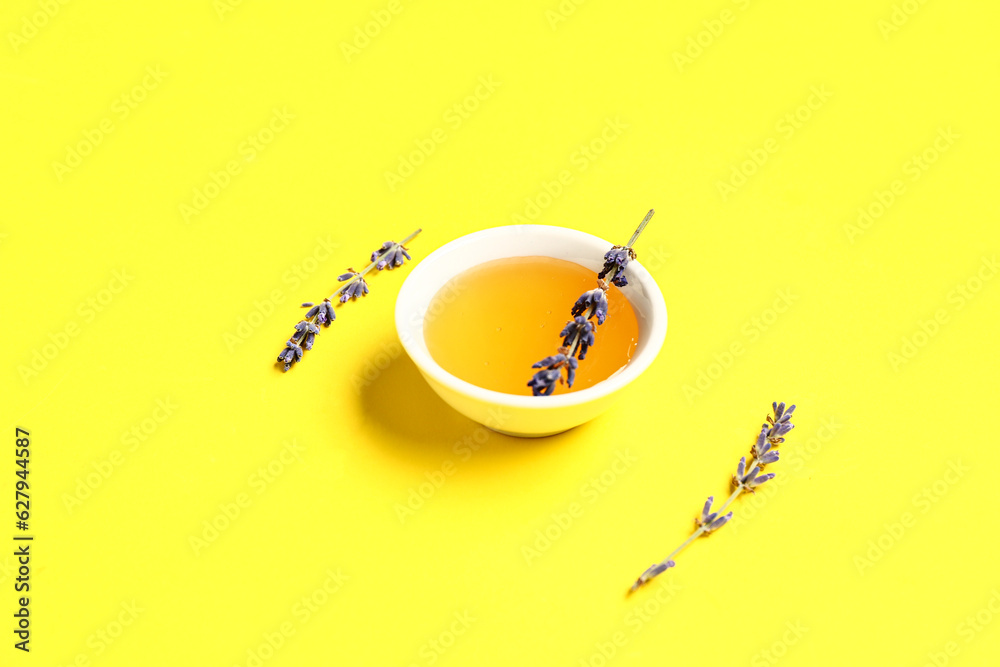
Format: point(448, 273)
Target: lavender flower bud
point(290, 354)
point(326, 316)
point(543, 383)
point(394, 256)
point(760, 479)
point(718, 523)
point(780, 423)
point(658, 569)
point(571, 365)
point(594, 298)
point(550, 362)
point(761, 449)
point(355, 289)
point(750, 480)
point(707, 516)
point(399, 255)
point(652, 571)
point(769, 458)
point(781, 428)
point(376, 253)
point(582, 328)
point(310, 337)
point(307, 304)
point(312, 311)
point(616, 260)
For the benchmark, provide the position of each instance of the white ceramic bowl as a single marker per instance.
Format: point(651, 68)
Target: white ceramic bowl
point(530, 416)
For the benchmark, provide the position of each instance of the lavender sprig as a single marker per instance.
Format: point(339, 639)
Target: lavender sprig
point(389, 256)
point(748, 477)
point(578, 334)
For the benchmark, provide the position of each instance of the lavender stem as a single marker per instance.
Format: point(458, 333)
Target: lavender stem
point(373, 264)
point(761, 455)
point(642, 226)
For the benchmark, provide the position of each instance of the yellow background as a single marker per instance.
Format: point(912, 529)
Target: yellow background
point(801, 577)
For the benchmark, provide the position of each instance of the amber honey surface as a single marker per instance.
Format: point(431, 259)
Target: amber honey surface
point(489, 324)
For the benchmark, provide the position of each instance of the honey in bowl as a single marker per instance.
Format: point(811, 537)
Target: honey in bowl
point(489, 324)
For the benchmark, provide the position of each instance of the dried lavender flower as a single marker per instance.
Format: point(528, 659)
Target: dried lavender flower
point(652, 571)
point(707, 515)
point(718, 523)
point(779, 424)
point(355, 288)
point(578, 334)
point(581, 330)
point(390, 255)
point(325, 314)
point(290, 354)
point(761, 449)
point(615, 261)
point(744, 482)
point(594, 302)
point(543, 383)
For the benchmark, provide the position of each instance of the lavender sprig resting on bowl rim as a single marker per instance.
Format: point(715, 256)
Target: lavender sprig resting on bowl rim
point(578, 334)
point(389, 256)
point(748, 477)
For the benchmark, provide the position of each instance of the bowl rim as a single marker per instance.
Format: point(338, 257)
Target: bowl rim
point(413, 328)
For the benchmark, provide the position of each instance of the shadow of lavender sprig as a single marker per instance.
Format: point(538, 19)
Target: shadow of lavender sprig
point(388, 257)
point(749, 475)
point(578, 334)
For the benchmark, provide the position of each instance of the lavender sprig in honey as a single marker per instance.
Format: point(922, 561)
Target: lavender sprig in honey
point(749, 475)
point(578, 334)
point(388, 257)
